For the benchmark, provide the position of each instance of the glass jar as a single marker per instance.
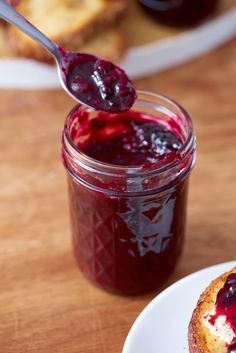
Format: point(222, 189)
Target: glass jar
point(128, 223)
point(179, 12)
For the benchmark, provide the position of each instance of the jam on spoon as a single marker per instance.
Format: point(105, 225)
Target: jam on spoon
point(88, 79)
point(96, 82)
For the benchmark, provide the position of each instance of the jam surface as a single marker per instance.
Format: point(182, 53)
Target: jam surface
point(98, 83)
point(129, 139)
point(226, 305)
point(179, 13)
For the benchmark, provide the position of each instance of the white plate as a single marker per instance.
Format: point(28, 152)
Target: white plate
point(163, 325)
point(139, 61)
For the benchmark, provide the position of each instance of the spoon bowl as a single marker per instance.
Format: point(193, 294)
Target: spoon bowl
point(96, 82)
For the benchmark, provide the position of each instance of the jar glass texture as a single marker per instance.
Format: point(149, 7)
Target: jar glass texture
point(128, 223)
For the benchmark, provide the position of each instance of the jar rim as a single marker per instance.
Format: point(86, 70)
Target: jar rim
point(132, 171)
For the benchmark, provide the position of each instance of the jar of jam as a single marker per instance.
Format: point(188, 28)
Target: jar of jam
point(128, 181)
point(179, 12)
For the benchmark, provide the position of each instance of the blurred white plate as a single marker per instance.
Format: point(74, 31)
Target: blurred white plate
point(163, 325)
point(139, 61)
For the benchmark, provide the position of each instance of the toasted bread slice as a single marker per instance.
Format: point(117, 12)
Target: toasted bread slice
point(5, 49)
point(67, 22)
point(109, 44)
point(201, 338)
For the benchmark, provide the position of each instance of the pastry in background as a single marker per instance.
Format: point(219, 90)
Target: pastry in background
point(5, 48)
point(75, 25)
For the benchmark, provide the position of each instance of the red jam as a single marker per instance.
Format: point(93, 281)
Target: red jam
point(226, 305)
point(179, 12)
point(127, 224)
point(128, 139)
point(97, 83)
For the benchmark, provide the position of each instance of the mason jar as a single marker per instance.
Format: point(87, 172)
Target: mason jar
point(128, 222)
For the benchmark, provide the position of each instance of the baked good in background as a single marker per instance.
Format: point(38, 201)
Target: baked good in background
point(74, 25)
point(109, 44)
point(212, 328)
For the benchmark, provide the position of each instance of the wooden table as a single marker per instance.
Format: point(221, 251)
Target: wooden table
point(46, 305)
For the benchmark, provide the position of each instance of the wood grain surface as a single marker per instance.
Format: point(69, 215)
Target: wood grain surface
point(46, 305)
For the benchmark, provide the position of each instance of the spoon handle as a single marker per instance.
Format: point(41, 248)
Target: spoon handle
point(10, 15)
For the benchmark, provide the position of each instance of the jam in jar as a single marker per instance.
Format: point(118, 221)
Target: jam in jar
point(128, 181)
point(179, 12)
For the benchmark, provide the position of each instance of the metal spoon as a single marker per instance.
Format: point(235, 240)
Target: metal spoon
point(88, 79)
